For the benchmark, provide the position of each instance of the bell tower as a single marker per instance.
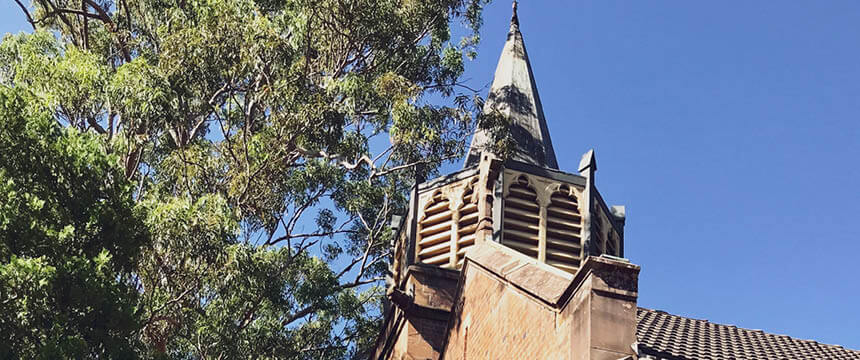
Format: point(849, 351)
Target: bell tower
point(523, 202)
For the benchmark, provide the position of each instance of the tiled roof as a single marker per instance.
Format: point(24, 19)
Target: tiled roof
point(670, 337)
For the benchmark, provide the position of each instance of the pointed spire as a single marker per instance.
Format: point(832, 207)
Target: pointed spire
point(514, 95)
point(515, 21)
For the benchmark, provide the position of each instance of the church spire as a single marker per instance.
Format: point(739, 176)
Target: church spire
point(515, 22)
point(514, 95)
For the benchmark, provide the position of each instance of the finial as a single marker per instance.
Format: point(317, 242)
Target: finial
point(588, 161)
point(514, 20)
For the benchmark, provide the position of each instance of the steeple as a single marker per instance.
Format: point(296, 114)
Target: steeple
point(522, 221)
point(514, 95)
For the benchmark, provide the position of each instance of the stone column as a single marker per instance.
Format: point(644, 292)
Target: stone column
point(489, 170)
point(603, 309)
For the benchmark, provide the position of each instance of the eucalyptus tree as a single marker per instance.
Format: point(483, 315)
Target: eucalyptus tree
point(236, 166)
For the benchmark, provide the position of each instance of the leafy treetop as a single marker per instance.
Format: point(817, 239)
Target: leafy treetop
point(215, 178)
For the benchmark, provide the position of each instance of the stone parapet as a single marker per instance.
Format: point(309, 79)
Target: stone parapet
point(414, 328)
point(603, 309)
point(511, 306)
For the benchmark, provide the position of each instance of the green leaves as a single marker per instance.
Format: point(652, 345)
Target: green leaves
point(60, 185)
point(140, 93)
point(220, 174)
point(27, 56)
point(69, 237)
point(71, 81)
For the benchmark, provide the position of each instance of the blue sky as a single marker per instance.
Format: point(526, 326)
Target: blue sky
point(730, 131)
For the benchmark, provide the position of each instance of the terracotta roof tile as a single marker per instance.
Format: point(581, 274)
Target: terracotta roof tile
point(664, 336)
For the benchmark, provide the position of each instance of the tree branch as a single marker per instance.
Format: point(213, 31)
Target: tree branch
point(314, 307)
point(26, 13)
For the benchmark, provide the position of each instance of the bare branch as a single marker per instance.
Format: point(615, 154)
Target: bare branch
point(338, 158)
point(202, 120)
point(95, 125)
point(26, 13)
point(405, 166)
point(313, 307)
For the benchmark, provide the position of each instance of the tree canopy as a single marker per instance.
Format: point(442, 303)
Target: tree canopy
point(216, 178)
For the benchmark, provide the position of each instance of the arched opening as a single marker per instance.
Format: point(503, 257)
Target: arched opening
point(564, 230)
point(522, 218)
point(434, 232)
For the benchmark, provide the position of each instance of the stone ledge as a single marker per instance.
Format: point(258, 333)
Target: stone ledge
point(540, 280)
point(432, 270)
point(612, 276)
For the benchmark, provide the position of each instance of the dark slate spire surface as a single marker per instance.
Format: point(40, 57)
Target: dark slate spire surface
point(515, 96)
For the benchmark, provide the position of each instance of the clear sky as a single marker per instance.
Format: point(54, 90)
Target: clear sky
point(730, 130)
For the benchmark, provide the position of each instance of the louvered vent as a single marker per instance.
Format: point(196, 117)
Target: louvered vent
point(563, 232)
point(434, 242)
point(522, 218)
point(468, 223)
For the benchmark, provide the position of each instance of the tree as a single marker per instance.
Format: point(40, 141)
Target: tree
point(69, 239)
point(249, 153)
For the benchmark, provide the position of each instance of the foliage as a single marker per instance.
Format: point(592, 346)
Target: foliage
point(69, 239)
point(215, 178)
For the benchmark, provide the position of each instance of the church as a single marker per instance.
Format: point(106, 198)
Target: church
point(515, 258)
